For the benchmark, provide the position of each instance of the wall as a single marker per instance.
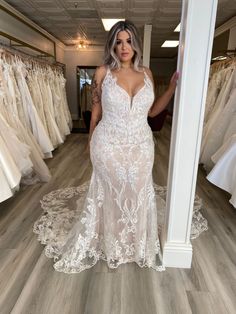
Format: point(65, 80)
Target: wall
point(15, 24)
point(232, 38)
point(228, 32)
point(220, 43)
point(162, 67)
point(72, 59)
point(60, 52)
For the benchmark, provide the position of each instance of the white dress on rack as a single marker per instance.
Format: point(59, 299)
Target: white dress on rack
point(218, 122)
point(11, 108)
point(45, 91)
point(37, 97)
point(223, 174)
point(214, 88)
point(34, 123)
point(10, 175)
point(113, 216)
point(62, 88)
point(58, 100)
point(20, 152)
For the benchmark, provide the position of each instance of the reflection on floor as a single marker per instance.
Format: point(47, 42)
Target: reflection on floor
point(29, 284)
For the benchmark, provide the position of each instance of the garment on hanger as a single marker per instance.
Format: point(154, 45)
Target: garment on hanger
point(28, 123)
point(217, 123)
point(223, 174)
point(9, 173)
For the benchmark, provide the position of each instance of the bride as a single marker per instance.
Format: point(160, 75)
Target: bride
point(114, 215)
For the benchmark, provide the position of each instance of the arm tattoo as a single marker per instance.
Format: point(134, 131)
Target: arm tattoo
point(96, 97)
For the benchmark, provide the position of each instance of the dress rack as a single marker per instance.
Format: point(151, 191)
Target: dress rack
point(13, 51)
point(217, 65)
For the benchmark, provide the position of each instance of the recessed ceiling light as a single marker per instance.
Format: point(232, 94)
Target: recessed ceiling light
point(108, 23)
point(177, 29)
point(170, 43)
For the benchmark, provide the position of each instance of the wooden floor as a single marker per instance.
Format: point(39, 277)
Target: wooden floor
point(29, 284)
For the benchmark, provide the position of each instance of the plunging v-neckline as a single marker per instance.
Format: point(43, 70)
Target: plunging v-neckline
point(125, 91)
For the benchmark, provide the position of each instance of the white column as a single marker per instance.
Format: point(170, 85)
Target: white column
point(147, 44)
point(197, 30)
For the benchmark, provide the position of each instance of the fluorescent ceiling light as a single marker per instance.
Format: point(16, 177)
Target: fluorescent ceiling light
point(220, 58)
point(177, 28)
point(170, 43)
point(108, 23)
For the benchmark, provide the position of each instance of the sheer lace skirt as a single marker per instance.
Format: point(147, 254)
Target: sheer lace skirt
point(116, 216)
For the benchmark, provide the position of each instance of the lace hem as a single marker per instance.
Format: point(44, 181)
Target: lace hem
point(72, 251)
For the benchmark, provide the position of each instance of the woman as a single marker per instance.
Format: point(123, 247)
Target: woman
point(118, 222)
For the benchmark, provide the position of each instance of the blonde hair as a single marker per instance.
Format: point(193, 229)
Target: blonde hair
point(110, 57)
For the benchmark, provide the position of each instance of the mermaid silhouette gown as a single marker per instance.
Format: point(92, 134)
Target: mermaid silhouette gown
point(114, 215)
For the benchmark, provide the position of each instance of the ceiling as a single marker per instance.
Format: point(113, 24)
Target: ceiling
point(68, 21)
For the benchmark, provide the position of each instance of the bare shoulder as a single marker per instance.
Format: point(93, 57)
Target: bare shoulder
point(148, 71)
point(100, 73)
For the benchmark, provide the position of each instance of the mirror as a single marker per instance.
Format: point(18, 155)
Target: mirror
point(84, 97)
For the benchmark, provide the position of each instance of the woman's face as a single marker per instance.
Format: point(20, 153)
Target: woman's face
point(123, 48)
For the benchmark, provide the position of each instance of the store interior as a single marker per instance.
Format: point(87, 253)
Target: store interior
point(49, 53)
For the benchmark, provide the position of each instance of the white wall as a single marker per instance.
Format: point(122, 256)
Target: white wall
point(230, 26)
point(72, 59)
point(60, 52)
point(31, 34)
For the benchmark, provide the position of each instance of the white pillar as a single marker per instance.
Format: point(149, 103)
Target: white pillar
point(197, 30)
point(147, 44)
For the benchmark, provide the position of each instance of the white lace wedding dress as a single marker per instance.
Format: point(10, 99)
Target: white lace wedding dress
point(114, 216)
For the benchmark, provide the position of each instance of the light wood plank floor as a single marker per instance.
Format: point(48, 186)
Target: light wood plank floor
point(29, 284)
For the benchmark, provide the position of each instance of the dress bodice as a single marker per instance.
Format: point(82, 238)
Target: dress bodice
point(124, 118)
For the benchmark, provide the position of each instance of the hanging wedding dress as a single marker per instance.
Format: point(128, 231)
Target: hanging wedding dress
point(19, 151)
point(113, 216)
point(11, 108)
point(9, 173)
point(223, 174)
point(216, 125)
point(214, 88)
point(62, 88)
point(53, 129)
point(32, 81)
point(34, 123)
point(58, 101)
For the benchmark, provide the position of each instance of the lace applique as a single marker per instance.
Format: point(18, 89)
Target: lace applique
point(61, 214)
point(114, 216)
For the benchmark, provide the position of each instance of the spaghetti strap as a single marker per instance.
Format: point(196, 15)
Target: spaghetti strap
point(108, 70)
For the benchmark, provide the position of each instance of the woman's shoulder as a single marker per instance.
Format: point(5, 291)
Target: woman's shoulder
point(102, 69)
point(148, 72)
point(100, 72)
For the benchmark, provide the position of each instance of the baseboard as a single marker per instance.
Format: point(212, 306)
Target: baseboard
point(177, 255)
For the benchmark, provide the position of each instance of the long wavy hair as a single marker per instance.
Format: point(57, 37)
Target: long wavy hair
point(110, 57)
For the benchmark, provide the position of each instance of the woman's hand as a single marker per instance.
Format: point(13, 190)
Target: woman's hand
point(173, 82)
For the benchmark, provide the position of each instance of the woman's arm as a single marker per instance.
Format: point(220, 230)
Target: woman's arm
point(96, 99)
point(161, 102)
